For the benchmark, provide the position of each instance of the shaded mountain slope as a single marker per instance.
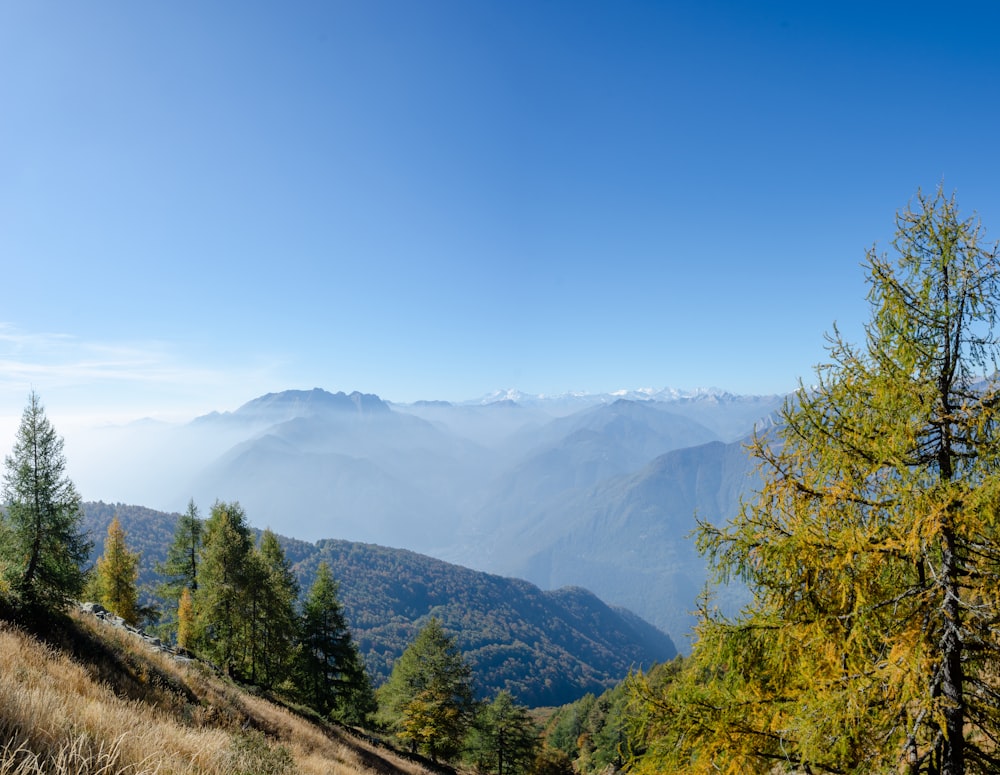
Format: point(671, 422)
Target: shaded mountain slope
point(629, 536)
point(544, 647)
point(574, 453)
point(351, 495)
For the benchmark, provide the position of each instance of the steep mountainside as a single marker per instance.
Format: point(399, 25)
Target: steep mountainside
point(573, 454)
point(629, 536)
point(547, 648)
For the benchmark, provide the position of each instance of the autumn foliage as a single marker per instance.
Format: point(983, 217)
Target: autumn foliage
point(872, 550)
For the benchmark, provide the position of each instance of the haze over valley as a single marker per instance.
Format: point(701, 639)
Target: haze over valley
point(596, 491)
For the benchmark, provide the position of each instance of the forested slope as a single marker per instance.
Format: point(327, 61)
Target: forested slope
point(546, 648)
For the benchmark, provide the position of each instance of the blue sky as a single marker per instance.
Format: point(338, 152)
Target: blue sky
point(204, 202)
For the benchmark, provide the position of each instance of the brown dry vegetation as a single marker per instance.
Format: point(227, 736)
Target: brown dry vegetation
point(93, 700)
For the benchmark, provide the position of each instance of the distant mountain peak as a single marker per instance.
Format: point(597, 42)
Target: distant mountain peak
point(582, 399)
point(288, 404)
point(304, 402)
point(513, 396)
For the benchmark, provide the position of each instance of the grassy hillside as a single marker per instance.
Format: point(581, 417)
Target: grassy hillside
point(80, 696)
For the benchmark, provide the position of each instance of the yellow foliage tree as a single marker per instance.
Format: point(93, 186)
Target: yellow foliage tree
point(185, 619)
point(872, 550)
point(117, 575)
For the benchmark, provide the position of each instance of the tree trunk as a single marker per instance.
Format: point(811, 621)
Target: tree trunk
point(952, 678)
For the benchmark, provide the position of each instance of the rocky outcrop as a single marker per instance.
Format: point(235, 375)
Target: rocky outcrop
point(155, 643)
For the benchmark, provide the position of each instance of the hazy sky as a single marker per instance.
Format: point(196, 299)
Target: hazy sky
point(203, 202)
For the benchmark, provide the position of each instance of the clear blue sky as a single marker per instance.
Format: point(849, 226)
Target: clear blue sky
point(202, 202)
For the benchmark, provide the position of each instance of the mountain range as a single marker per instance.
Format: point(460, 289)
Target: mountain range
point(599, 492)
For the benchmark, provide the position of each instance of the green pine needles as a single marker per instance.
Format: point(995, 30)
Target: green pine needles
point(42, 546)
point(428, 699)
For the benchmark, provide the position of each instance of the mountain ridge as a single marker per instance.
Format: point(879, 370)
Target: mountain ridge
point(453, 481)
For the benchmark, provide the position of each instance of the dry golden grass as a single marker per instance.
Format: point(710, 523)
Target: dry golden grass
point(123, 709)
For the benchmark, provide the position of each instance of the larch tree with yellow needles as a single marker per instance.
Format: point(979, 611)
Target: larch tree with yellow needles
point(872, 550)
point(117, 575)
point(185, 619)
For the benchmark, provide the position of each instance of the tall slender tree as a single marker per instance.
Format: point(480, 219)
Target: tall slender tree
point(873, 548)
point(42, 545)
point(222, 586)
point(180, 569)
point(277, 623)
point(331, 674)
point(117, 574)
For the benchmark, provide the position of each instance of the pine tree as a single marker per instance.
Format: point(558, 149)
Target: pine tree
point(504, 739)
point(872, 550)
point(181, 565)
point(277, 628)
point(330, 674)
point(428, 698)
point(220, 603)
point(253, 592)
point(117, 574)
point(42, 546)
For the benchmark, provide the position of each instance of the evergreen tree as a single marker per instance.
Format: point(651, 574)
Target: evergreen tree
point(594, 731)
point(180, 571)
point(117, 574)
point(331, 675)
point(253, 594)
point(567, 730)
point(220, 603)
point(42, 547)
point(181, 565)
point(428, 697)
point(609, 722)
point(269, 625)
point(277, 628)
point(356, 704)
point(872, 550)
point(504, 739)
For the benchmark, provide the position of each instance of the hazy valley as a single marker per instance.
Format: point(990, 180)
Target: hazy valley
point(599, 492)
